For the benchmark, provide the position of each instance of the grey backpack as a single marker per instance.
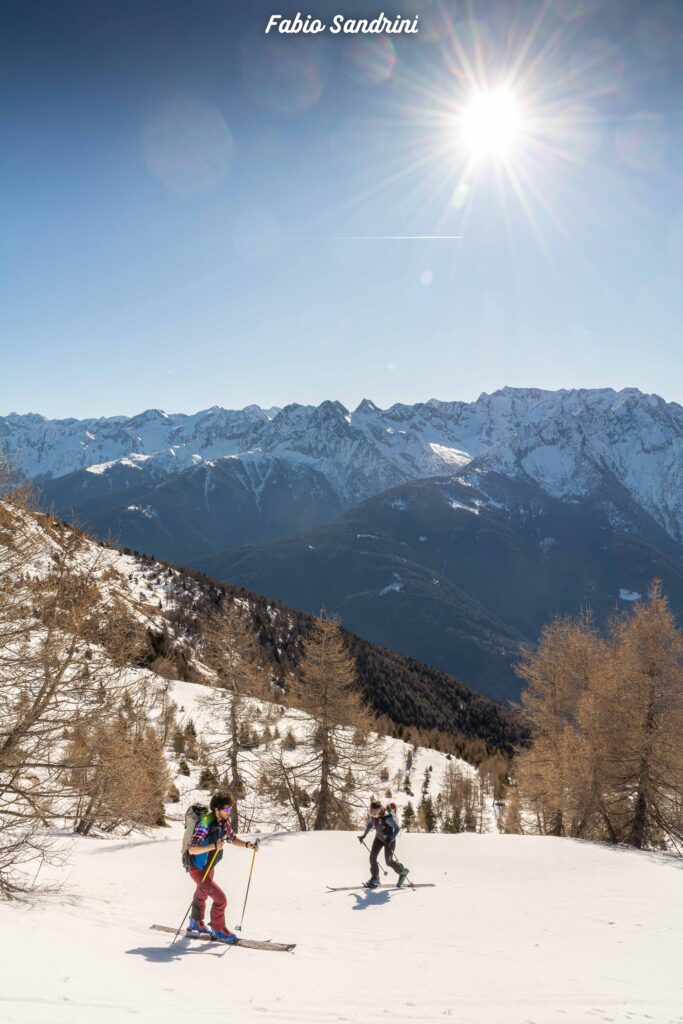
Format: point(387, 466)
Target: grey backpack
point(193, 815)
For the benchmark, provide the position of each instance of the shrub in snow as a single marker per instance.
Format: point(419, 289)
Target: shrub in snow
point(289, 741)
point(208, 779)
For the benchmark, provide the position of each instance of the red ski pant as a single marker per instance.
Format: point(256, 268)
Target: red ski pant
point(205, 889)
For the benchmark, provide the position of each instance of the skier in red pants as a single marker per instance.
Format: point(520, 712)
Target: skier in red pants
point(211, 832)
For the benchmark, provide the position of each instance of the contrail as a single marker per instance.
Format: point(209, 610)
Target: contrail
point(376, 238)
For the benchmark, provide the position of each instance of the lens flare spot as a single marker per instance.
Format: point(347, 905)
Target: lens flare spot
point(284, 75)
point(597, 70)
point(459, 197)
point(659, 34)
point(576, 131)
point(371, 60)
point(434, 21)
point(642, 141)
point(570, 10)
point(188, 147)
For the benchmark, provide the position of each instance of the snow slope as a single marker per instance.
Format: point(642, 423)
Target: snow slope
point(518, 930)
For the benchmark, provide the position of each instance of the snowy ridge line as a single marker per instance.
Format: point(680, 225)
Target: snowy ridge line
point(118, 575)
point(568, 441)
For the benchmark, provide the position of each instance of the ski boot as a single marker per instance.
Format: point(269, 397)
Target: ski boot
point(197, 927)
point(372, 884)
point(402, 877)
point(223, 936)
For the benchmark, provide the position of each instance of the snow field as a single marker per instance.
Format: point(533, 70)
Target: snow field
point(520, 930)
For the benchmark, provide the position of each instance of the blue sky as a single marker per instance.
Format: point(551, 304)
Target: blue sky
point(177, 192)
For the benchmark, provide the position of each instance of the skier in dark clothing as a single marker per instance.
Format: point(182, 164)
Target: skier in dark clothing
point(383, 820)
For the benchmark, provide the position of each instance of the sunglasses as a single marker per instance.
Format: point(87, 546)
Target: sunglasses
point(226, 810)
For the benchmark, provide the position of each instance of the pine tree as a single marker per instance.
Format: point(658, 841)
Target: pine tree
point(560, 677)
point(646, 715)
point(511, 818)
point(230, 648)
point(126, 779)
point(408, 817)
point(337, 760)
point(606, 716)
point(426, 814)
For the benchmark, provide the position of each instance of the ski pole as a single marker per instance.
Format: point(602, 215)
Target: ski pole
point(370, 852)
point(215, 853)
point(238, 928)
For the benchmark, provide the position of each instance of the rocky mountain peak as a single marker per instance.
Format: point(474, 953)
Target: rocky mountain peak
point(366, 406)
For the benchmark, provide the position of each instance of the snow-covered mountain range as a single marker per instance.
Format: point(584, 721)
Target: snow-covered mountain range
point(578, 498)
point(568, 441)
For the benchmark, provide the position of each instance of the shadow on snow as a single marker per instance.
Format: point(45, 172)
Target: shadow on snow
point(176, 951)
point(372, 898)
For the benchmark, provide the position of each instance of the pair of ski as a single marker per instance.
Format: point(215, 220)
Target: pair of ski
point(278, 947)
point(287, 947)
point(374, 888)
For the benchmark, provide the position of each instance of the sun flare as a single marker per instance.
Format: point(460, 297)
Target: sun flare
point(491, 124)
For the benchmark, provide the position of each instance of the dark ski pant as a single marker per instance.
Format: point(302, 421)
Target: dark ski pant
point(389, 857)
point(205, 889)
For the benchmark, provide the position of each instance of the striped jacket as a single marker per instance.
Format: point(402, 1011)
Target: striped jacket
point(208, 831)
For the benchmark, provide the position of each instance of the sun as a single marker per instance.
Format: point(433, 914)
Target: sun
point(491, 124)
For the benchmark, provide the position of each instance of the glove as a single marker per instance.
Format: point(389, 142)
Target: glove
point(361, 838)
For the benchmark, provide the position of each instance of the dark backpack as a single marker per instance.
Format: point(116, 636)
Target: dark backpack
point(193, 815)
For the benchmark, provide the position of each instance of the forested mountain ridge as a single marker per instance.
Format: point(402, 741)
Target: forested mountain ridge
point(171, 606)
point(458, 571)
point(404, 691)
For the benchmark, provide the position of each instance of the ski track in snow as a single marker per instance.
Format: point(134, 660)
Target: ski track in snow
point(519, 930)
